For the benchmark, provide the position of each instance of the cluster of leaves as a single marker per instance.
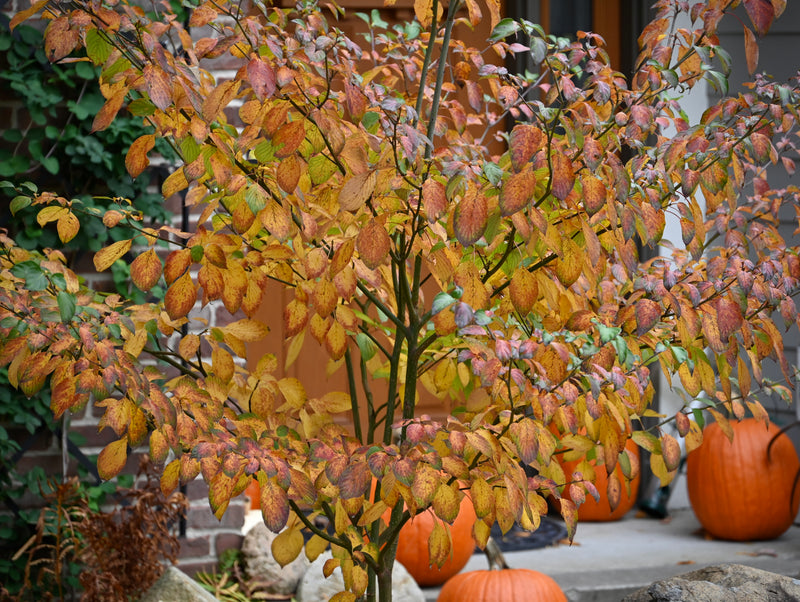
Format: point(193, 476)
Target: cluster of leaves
point(57, 146)
point(359, 180)
point(115, 554)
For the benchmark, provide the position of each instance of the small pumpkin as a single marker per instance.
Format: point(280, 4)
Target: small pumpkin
point(412, 546)
point(501, 583)
point(598, 511)
point(744, 490)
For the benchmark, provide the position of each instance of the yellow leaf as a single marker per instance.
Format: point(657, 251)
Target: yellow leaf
point(112, 459)
point(181, 297)
point(136, 343)
point(287, 546)
point(104, 258)
point(293, 391)
point(50, 214)
point(357, 190)
point(424, 11)
point(315, 546)
point(67, 227)
point(146, 270)
point(247, 330)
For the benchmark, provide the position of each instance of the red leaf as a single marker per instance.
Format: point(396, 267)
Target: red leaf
point(729, 317)
point(523, 143)
point(158, 86)
point(262, 78)
point(469, 221)
point(761, 13)
point(517, 192)
point(648, 313)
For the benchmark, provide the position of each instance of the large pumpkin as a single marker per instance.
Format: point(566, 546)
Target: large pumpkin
point(591, 510)
point(412, 546)
point(501, 583)
point(737, 491)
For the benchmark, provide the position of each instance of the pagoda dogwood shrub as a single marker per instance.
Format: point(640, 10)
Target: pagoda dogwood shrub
point(358, 177)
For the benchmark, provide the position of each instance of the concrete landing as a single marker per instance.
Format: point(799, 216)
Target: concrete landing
point(609, 560)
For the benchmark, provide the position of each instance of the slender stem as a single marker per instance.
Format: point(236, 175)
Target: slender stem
point(437, 91)
point(351, 383)
point(427, 62)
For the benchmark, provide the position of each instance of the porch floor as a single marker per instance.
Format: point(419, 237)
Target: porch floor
point(609, 560)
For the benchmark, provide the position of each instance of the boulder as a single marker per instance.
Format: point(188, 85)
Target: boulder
point(314, 587)
point(721, 583)
point(176, 586)
point(262, 568)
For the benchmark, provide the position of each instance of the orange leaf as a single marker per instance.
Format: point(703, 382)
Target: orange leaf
point(104, 258)
point(671, 451)
point(570, 265)
point(648, 313)
point(109, 110)
point(523, 143)
point(178, 262)
point(174, 183)
point(112, 459)
point(517, 192)
point(434, 199)
point(563, 175)
point(424, 11)
point(729, 317)
point(288, 173)
point(158, 85)
point(181, 297)
point(336, 341)
point(276, 219)
point(357, 190)
point(136, 160)
point(146, 270)
point(750, 50)
point(373, 244)
point(23, 15)
point(524, 290)
point(295, 317)
point(60, 39)
point(471, 214)
point(218, 99)
point(288, 138)
point(594, 193)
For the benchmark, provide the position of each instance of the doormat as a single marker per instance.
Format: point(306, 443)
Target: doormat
point(550, 531)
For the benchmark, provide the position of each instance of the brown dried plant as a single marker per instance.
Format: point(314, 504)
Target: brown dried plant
point(120, 553)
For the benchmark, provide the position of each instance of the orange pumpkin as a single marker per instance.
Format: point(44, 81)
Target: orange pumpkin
point(593, 511)
point(412, 545)
point(501, 583)
point(253, 492)
point(737, 490)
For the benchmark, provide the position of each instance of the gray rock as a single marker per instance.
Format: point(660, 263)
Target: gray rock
point(315, 588)
point(721, 583)
point(176, 586)
point(262, 567)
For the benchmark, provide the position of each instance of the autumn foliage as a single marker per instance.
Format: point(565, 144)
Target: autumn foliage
point(357, 176)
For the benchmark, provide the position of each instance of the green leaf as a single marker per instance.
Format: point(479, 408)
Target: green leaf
point(365, 346)
point(440, 302)
point(67, 304)
point(97, 47)
point(50, 164)
point(504, 28)
point(142, 107)
point(699, 418)
point(19, 202)
point(264, 152)
point(32, 274)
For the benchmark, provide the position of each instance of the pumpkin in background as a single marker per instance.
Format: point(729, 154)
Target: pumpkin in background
point(736, 489)
point(412, 545)
point(500, 584)
point(253, 492)
point(593, 511)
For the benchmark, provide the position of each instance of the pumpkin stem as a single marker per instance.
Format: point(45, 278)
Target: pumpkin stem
point(778, 434)
point(497, 561)
point(769, 449)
